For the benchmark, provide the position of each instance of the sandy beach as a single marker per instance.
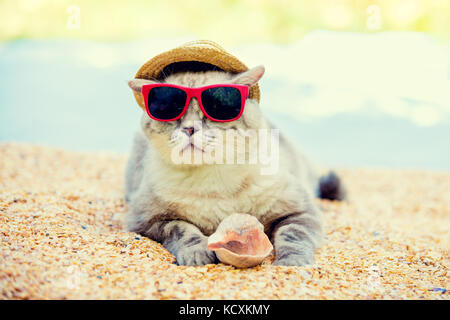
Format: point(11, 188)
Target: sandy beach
point(62, 237)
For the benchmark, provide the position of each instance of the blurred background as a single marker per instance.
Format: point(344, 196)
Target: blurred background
point(353, 82)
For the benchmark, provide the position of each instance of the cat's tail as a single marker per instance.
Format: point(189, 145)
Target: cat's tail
point(331, 187)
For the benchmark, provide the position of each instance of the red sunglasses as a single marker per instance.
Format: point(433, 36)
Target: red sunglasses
point(219, 102)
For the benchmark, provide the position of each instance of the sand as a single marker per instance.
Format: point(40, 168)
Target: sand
point(61, 237)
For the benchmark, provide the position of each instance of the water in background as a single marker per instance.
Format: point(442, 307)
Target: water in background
point(347, 99)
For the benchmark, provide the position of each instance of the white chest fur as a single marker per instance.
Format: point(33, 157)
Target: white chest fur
point(206, 195)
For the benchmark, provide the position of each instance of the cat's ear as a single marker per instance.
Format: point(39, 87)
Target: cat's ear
point(250, 77)
point(136, 84)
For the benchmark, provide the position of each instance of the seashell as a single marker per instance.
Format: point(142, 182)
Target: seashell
point(240, 241)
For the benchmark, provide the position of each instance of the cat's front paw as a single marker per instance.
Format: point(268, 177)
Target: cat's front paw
point(293, 259)
point(197, 255)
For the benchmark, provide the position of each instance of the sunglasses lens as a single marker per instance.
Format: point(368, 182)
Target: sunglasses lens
point(166, 103)
point(222, 103)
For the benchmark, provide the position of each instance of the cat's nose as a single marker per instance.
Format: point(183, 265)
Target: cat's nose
point(189, 130)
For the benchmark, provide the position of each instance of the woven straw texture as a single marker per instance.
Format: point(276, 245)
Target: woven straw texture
point(201, 51)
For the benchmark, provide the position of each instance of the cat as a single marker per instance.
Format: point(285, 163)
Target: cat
point(180, 205)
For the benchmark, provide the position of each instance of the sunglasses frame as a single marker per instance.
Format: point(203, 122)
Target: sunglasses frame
point(195, 93)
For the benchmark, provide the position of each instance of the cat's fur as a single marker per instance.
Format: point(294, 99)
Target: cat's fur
point(180, 205)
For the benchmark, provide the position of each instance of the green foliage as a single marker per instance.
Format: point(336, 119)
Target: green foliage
point(226, 21)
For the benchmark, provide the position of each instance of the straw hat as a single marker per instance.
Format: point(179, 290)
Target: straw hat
point(200, 51)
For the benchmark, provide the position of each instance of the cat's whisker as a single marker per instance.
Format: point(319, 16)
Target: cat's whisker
point(210, 134)
point(240, 131)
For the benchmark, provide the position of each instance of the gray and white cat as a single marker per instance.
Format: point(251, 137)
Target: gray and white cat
point(180, 205)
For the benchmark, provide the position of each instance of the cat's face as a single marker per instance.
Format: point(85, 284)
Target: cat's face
point(193, 135)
